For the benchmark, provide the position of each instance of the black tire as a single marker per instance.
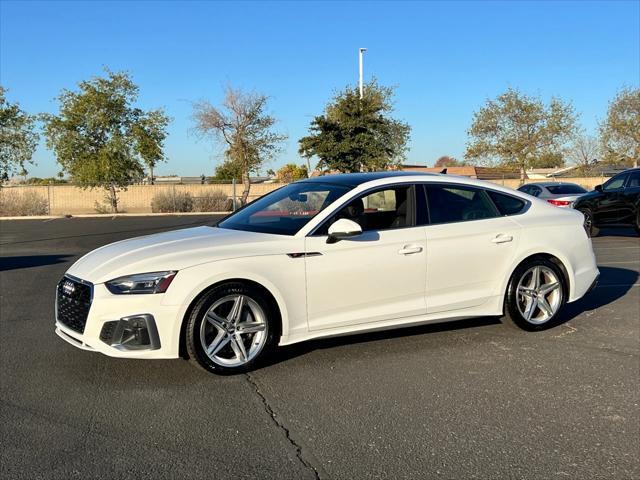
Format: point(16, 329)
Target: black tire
point(589, 222)
point(513, 316)
point(194, 328)
point(637, 225)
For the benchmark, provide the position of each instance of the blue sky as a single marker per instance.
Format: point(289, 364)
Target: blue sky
point(446, 59)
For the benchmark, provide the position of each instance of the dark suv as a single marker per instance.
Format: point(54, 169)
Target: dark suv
point(616, 203)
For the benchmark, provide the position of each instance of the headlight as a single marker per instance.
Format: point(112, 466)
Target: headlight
point(154, 282)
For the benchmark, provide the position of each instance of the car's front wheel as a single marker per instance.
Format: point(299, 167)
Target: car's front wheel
point(535, 295)
point(231, 329)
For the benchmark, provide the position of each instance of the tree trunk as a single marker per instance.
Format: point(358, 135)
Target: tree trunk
point(151, 174)
point(113, 198)
point(246, 182)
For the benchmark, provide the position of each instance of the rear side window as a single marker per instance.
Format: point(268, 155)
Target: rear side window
point(449, 203)
point(506, 204)
point(634, 180)
point(566, 189)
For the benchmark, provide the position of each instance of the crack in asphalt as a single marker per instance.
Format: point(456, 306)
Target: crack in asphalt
point(285, 430)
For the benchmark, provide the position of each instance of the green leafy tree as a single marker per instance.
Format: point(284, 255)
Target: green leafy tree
point(245, 129)
point(620, 132)
point(18, 139)
point(291, 173)
point(547, 160)
point(228, 171)
point(150, 132)
point(519, 131)
point(446, 161)
point(357, 134)
point(100, 139)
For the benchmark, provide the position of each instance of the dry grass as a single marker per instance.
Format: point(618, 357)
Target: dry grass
point(18, 204)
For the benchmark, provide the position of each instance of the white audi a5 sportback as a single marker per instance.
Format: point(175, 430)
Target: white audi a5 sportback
point(328, 256)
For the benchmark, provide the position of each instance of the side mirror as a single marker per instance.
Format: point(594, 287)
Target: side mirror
point(598, 188)
point(343, 228)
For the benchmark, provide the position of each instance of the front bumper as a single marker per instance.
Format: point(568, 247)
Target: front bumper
point(107, 308)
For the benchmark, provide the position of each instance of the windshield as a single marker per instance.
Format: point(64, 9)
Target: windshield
point(286, 210)
point(566, 189)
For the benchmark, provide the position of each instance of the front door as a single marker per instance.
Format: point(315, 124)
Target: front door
point(376, 276)
point(610, 204)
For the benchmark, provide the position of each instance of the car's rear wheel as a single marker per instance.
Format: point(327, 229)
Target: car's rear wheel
point(535, 295)
point(231, 329)
point(589, 225)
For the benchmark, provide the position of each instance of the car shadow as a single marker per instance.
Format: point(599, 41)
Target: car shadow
point(613, 284)
point(617, 232)
point(289, 352)
point(29, 261)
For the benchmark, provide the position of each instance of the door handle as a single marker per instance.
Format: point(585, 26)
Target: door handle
point(409, 249)
point(502, 238)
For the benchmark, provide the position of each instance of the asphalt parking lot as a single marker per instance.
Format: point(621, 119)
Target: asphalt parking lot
point(470, 399)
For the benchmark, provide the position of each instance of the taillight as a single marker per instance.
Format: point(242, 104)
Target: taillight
point(559, 203)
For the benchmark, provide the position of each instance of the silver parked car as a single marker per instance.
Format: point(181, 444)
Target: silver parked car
point(560, 194)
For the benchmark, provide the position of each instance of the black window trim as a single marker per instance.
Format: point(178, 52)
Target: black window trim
point(628, 180)
point(524, 209)
point(412, 204)
point(625, 174)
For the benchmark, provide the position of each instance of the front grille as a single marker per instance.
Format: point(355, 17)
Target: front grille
point(73, 300)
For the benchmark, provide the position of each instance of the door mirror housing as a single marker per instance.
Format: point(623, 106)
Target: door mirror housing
point(598, 188)
point(343, 228)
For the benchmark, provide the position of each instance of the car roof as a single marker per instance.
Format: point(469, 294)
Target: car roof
point(356, 179)
point(549, 184)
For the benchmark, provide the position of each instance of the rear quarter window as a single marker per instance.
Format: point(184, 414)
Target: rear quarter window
point(506, 204)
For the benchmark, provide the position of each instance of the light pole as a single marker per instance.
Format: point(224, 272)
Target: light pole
point(361, 54)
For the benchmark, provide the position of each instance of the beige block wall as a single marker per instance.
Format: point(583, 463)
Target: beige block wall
point(69, 200)
point(587, 182)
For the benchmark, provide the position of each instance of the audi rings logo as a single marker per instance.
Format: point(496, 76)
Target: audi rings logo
point(68, 288)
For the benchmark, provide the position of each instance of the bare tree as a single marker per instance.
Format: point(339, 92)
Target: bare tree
point(584, 149)
point(242, 125)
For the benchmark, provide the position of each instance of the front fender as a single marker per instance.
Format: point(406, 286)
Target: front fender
point(281, 275)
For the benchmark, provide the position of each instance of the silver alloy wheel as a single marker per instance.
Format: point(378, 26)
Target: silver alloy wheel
point(588, 221)
point(539, 295)
point(234, 330)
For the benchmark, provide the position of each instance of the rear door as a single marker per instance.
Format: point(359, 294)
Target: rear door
point(631, 197)
point(470, 246)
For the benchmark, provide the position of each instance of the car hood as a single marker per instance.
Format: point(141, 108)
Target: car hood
point(174, 250)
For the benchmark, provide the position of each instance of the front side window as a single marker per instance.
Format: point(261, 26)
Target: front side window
point(536, 191)
point(389, 207)
point(286, 210)
point(615, 183)
point(449, 203)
